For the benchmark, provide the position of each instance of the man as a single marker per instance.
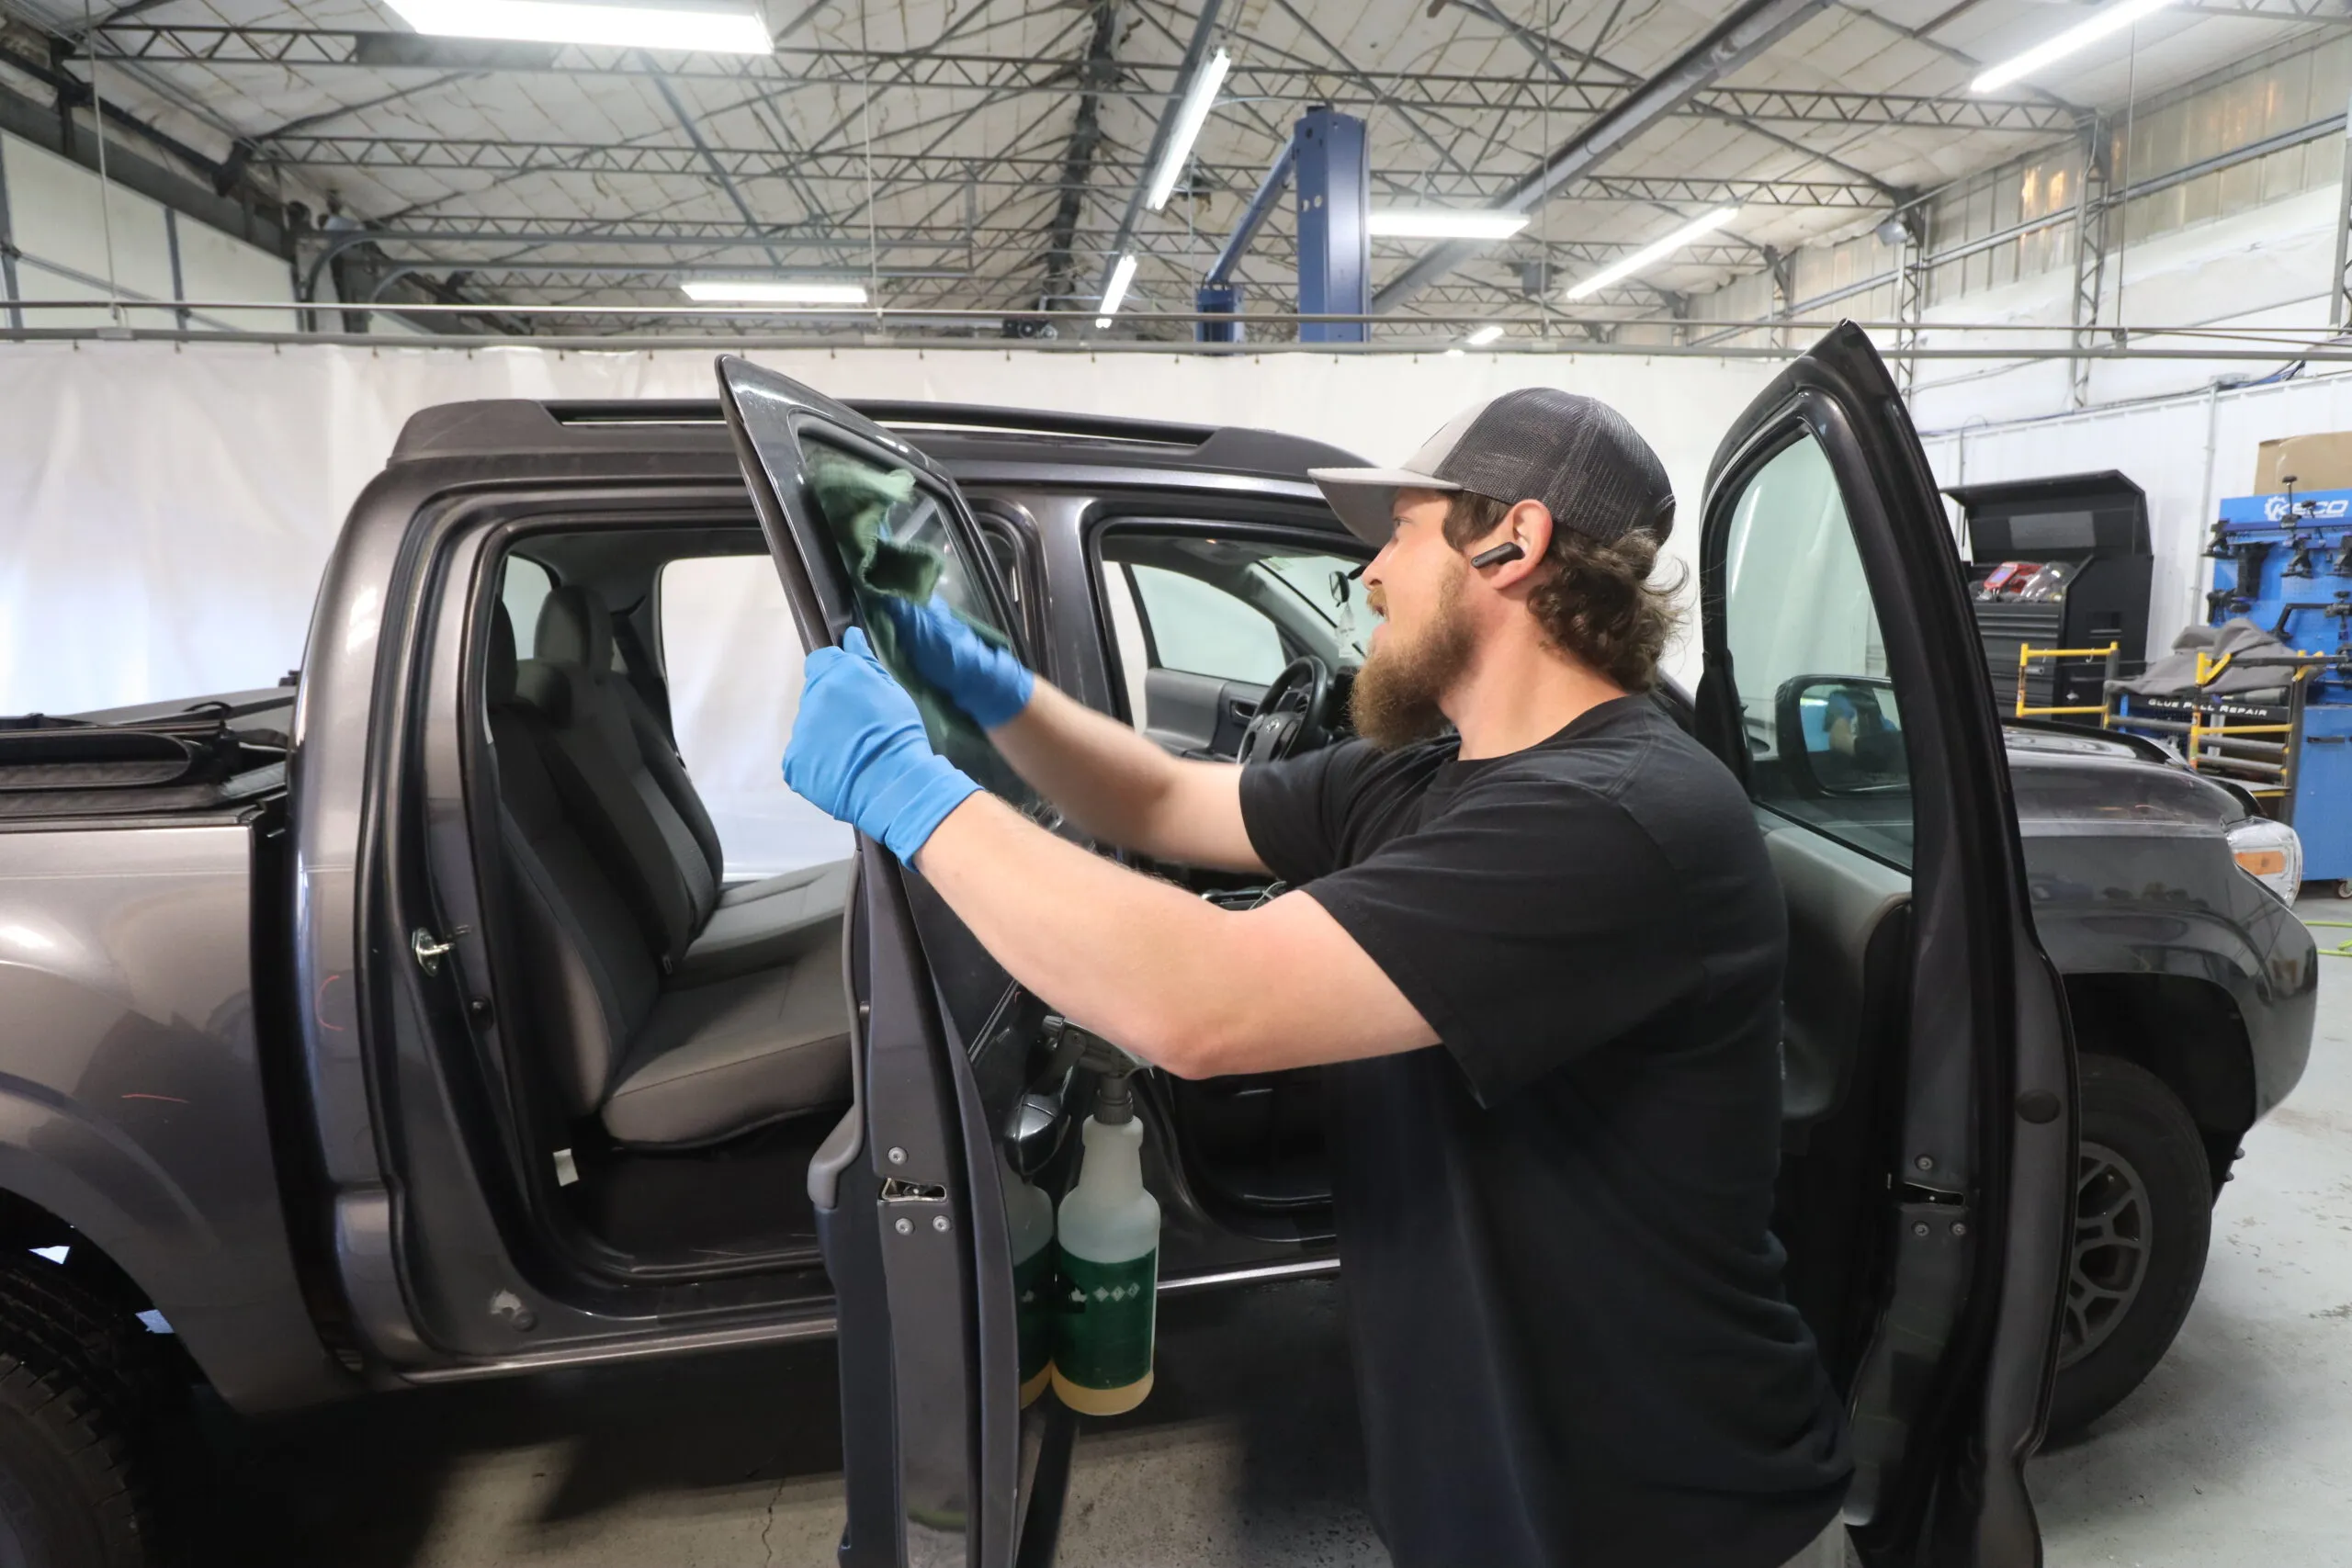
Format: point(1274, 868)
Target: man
point(1542, 954)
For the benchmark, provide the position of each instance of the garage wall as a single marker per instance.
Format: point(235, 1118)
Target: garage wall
point(164, 513)
point(2235, 226)
point(2187, 452)
point(70, 230)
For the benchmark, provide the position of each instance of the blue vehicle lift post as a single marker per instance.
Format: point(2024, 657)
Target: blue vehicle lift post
point(1327, 154)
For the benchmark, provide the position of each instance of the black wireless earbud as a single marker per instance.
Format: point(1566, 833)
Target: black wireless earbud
point(1507, 550)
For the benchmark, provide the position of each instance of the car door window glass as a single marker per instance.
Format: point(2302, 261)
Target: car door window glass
point(722, 617)
point(1822, 723)
point(898, 540)
point(523, 588)
point(1203, 630)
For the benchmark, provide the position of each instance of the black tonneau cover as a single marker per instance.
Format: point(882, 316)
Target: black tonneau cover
point(65, 767)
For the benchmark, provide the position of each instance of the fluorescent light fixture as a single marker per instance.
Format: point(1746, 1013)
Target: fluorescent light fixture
point(715, 27)
point(1650, 255)
point(1491, 333)
point(775, 291)
point(2114, 19)
point(1116, 294)
point(1443, 223)
point(1191, 115)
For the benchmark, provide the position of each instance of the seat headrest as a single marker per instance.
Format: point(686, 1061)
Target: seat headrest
point(551, 688)
point(574, 629)
point(498, 680)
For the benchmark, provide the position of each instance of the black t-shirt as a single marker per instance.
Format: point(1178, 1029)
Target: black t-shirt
point(1571, 1340)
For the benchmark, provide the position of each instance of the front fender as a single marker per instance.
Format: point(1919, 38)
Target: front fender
point(2114, 902)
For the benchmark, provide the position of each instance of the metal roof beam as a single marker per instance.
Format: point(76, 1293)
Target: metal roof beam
point(1096, 70)
point(1739, 37)
point(2310, 13)
point(1029, 172)
point(1341, 87)
point(717, 171)
point(1196, 58)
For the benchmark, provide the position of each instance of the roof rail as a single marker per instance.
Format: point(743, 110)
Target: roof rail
point(1033, 422)
point(905, 412)
point(636, 411)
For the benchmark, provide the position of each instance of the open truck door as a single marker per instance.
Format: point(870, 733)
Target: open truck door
point(909, 1190)
point(1926, 1195)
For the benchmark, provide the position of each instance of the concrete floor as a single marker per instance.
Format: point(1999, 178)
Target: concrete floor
point(2232, 1453)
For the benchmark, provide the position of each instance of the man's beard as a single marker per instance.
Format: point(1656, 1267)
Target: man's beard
point(1394, 700)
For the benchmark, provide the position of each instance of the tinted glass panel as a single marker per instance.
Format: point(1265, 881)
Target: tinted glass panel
point(897, 539)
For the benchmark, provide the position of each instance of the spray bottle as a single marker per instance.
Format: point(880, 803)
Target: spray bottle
point(1029, 1215)
point(1108, 1231)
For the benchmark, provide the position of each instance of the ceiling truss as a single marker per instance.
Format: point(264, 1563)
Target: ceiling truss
point(793, 69)
point(1004, 172)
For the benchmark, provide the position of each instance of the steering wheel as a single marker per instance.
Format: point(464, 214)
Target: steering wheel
point(1294, 715)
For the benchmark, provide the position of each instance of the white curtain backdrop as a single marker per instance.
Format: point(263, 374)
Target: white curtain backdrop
point(164, 512)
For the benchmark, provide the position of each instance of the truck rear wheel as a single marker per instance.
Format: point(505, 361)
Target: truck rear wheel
point(82, 1389)
point(2144, 1215)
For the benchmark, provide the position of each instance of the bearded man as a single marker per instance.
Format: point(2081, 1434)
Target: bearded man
point(1533, 930)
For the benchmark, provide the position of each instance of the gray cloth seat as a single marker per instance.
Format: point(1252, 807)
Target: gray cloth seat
point(662, 1063)
point(636, 799)
point(707, 1056)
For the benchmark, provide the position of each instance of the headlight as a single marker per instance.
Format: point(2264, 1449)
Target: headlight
point(2271, 853)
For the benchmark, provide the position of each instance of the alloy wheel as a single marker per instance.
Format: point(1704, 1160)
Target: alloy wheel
point(2113, 1231)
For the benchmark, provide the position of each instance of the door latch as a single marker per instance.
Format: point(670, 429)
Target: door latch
point(427, 950)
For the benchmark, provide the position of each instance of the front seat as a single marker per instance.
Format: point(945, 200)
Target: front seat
point(662, 1064)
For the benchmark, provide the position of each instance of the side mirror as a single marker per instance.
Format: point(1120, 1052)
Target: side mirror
point(1841, 735)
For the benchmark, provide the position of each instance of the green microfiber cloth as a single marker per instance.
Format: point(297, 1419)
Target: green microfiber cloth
point(860, 502)
point(857, 500)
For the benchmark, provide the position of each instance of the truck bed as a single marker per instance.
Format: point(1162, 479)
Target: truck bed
point(159, 759)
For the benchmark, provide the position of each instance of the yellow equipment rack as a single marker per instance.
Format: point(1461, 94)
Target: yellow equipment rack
point(2026, 655)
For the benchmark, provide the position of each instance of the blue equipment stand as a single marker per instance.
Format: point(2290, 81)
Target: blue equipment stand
point(1326, 154)
point(2285, 563)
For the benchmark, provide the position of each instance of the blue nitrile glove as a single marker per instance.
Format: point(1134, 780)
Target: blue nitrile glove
point(858, 753)
point(983, 679)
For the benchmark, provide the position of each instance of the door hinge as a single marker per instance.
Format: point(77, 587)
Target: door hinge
point(428, 950)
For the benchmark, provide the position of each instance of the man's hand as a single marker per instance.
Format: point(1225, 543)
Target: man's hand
point(1113, 783)
point(983, 679)
point(858, 753)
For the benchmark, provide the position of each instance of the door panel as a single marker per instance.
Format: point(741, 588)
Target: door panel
point(910, 1208)
point(1198, 716)
point(1841, 683)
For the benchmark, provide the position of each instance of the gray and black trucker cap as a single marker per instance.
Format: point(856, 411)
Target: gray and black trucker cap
point(1577, 455)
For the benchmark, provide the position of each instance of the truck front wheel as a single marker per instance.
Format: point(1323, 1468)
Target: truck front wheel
point(81, 1391)
point(2142, 1218)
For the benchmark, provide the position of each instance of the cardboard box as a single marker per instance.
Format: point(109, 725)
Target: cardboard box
point(2317, 462)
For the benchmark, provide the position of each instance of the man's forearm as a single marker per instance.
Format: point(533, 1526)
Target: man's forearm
point(1189, 987)
point(1105, 777)
point(1121, 788)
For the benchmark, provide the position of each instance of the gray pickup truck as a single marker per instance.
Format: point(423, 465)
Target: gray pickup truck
point(421, 1020)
